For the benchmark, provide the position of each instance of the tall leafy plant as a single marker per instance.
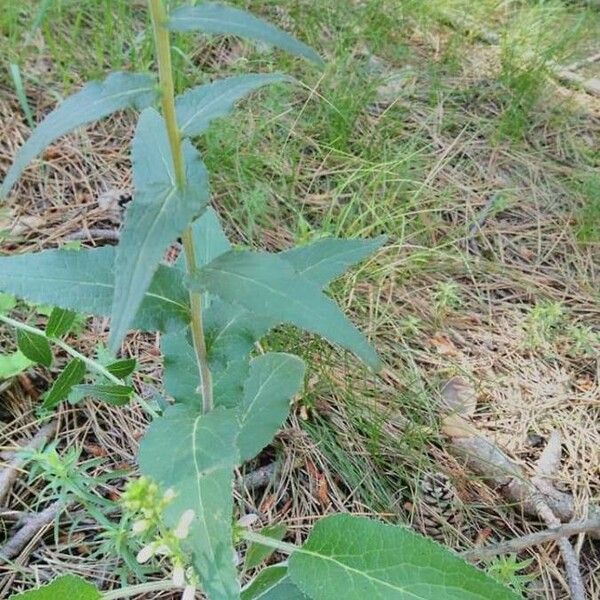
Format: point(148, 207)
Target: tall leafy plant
point(211, 306)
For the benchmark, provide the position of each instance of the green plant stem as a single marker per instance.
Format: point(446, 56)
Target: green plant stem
point(257, 538)
point(141, 588)
point(167, 89)
point(92, 364)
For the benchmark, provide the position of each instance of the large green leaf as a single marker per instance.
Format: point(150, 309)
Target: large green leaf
point(212, 17)
point(195, 455)
point(272, 583)
point(181, 377)
point(201, 105)
point(272, 381)
point(328, 258)
point(231, 331)
point(357, 558)
point(95, 100)
point(67, 587)
point(268, 286)
point(83, 281)
point(158, 214)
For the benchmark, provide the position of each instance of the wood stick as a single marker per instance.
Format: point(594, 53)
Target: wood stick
point(534, 539)
point(11, 471)
point(32, 526)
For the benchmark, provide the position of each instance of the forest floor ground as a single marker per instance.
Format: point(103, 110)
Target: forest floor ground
point(442, 124)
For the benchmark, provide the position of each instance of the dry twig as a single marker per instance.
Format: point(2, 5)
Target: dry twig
point(535, 539)
point(11, 471)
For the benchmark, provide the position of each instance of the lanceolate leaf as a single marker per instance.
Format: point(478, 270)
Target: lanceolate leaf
point(122, 368)
point(272, 381)
point(328, 258)
point(212, 17)
point(83, 281)
point(195, 455)
point(268, 286)
point(94, 101)
point(60, 321)
point(67, 586)
point(209, 238)
point(360, 558)
point(71, 375)
point(158, 214)
point(114, 394)
point(35, 347)
point(272, 583)
point(181, 378)
point(201, 105)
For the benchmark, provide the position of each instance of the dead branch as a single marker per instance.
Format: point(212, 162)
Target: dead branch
point(109, 235)
point(25, 534)
point(11, 471)
point(534, 539)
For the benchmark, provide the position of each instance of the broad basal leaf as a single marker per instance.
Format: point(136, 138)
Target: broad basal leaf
point(201, 105)
point(272, 381)
point(66, 587)
point(195, 455)
point(35, 347)
point(268, 286)
point(95, 100)
point(212, 17)
point(59, 322)
point(83, 281)
point(71, 375)
point(326, 259)
point(272, 583)
point(158, 214)
point(357, 558)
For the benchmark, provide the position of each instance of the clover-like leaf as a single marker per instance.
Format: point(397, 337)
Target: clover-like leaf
point(95, 100)
point(159, 213)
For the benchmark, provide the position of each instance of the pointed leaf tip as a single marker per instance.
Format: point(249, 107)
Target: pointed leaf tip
point(213, 17)
point(158, 214)
point(93, 101)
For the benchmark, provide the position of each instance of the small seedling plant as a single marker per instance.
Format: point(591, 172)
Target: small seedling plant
point(211, 306)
